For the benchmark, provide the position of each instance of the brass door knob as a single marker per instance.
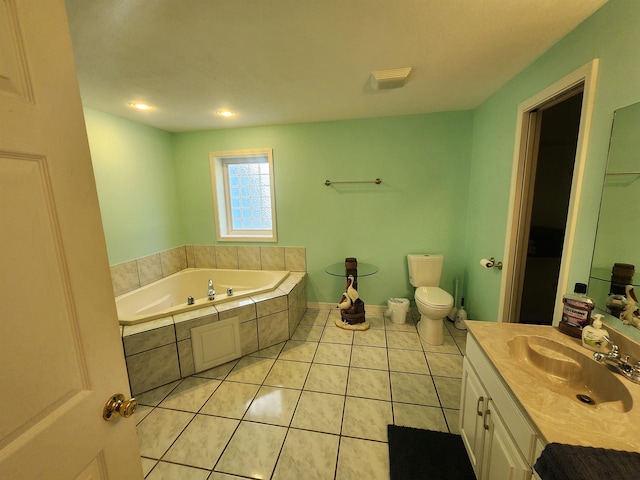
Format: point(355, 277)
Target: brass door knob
point(117, 404)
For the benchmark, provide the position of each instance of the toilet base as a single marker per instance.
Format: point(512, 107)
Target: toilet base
point(431, 331)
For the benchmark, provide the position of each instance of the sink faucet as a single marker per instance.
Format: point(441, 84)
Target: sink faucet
point(619, 362)
point(211, 293)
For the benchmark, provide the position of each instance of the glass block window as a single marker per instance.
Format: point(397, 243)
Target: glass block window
point(243, 193)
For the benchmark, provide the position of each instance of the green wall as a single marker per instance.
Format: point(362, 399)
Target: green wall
point(134, 171)
point(446, 177)
point(611, 34)
point(423, 161)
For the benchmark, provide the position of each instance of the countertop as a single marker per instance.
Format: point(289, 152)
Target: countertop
point(558, 418)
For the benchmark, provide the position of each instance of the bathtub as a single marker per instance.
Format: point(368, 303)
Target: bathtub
point(168, 296)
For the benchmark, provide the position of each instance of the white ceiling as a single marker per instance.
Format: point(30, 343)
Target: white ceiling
point(293, 61)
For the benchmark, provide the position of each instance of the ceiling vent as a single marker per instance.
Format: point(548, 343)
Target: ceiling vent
point(392, 78)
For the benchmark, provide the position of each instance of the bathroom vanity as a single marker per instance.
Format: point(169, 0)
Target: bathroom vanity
point(520, 389)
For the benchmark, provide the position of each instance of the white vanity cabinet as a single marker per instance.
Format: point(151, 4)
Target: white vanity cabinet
point(500, 441)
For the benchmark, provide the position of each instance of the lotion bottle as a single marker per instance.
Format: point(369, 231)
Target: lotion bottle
point(592, 335)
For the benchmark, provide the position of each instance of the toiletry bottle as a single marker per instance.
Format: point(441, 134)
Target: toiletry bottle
point(592, 336)
point(576, 311)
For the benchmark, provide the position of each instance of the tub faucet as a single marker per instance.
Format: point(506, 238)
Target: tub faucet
point(619, 362)
point(211, 293)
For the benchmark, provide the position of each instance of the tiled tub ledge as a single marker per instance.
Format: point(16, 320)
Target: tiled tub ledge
point(159, 351)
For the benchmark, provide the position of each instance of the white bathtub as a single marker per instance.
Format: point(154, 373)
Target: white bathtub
point(168, 296)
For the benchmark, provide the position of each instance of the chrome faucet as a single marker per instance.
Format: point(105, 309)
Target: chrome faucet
point(211, 293)
point(619, 362)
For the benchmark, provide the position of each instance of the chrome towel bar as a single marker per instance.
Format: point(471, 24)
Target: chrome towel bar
point(377, 181)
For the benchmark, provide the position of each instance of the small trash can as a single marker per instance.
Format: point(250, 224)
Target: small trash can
point(397, 311)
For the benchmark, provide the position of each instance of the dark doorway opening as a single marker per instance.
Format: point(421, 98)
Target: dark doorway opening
point(556, 126)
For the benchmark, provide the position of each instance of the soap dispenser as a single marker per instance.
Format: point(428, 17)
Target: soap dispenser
point(592, 335)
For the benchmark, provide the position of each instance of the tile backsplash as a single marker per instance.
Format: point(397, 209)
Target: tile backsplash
point(136, 273)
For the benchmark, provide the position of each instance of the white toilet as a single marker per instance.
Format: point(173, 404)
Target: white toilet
point(433, 303)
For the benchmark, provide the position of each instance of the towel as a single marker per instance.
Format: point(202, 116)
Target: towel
point(570, 462)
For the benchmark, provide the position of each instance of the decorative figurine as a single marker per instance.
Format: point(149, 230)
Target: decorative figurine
point(630, 315)
point(352, 314)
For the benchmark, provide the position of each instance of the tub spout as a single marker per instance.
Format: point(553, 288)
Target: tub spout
point(211, 293)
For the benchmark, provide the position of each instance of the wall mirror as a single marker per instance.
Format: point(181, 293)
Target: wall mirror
point(618, 235)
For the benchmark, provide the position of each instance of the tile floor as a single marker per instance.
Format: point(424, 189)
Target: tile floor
point(314, 407)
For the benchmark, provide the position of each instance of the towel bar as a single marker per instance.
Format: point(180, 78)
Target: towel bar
point(377, 181)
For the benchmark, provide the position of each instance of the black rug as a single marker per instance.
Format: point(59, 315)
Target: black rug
point(425, 454)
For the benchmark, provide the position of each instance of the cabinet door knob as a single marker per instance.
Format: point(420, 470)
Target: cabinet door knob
point(478, 406)
point(487, 412)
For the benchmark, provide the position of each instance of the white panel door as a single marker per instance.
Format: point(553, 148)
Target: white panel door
point(60, 350)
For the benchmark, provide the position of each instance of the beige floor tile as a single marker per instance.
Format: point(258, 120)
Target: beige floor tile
point(308, 333)
point(299, 351)
point(445, 365)
point(360, 459)
point(449, 346)
point(298, 461)
point(408, 361)
point(231, 399)
point(364, 382)
point(413, 388)
point(408, 326)
point(147, 465)
point(155, 396)
point(448, 391)
point(315, 317)
point(370, 338)
point(224, 476)
point(288, 374)
point(270, 352)
point(164, 471)
point(321, 412)
point(376, 322)
point(252, 451)
point(159, 429)
point(191, 394)
point(273, 405)
point(327, 379)
point(141, 412)
point(419, 416)
point(366, 418)
point(369, 357)
point(333, 354)
point(251, 370)
point(220, 372)
point(452, 417)
point(202, 442)
point(333, 334)
point(404, 340)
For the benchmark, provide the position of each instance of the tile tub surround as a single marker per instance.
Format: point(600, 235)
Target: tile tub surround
point(299, 409)
point(556, 416)
point(136, 273)
point(159, 351)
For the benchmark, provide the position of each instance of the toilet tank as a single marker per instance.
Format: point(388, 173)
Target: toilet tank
point(425, 269)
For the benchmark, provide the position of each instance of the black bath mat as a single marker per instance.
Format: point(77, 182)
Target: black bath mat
point(425, 454)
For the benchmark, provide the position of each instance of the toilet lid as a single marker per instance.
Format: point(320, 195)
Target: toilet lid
point(434, 296)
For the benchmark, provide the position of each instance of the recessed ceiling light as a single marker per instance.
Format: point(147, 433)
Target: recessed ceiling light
point(140, 106)
point(226, 113)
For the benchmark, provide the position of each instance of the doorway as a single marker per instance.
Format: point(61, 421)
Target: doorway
point(552, 152)
point(577, 88)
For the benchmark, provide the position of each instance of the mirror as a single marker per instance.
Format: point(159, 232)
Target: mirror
point(618, 236)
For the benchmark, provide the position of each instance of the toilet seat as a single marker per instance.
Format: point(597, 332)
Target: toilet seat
point(434, 297)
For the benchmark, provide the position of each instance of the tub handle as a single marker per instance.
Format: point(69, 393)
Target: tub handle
point(190, 300)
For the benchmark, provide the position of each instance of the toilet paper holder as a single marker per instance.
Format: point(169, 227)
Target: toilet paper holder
point(491, 263)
